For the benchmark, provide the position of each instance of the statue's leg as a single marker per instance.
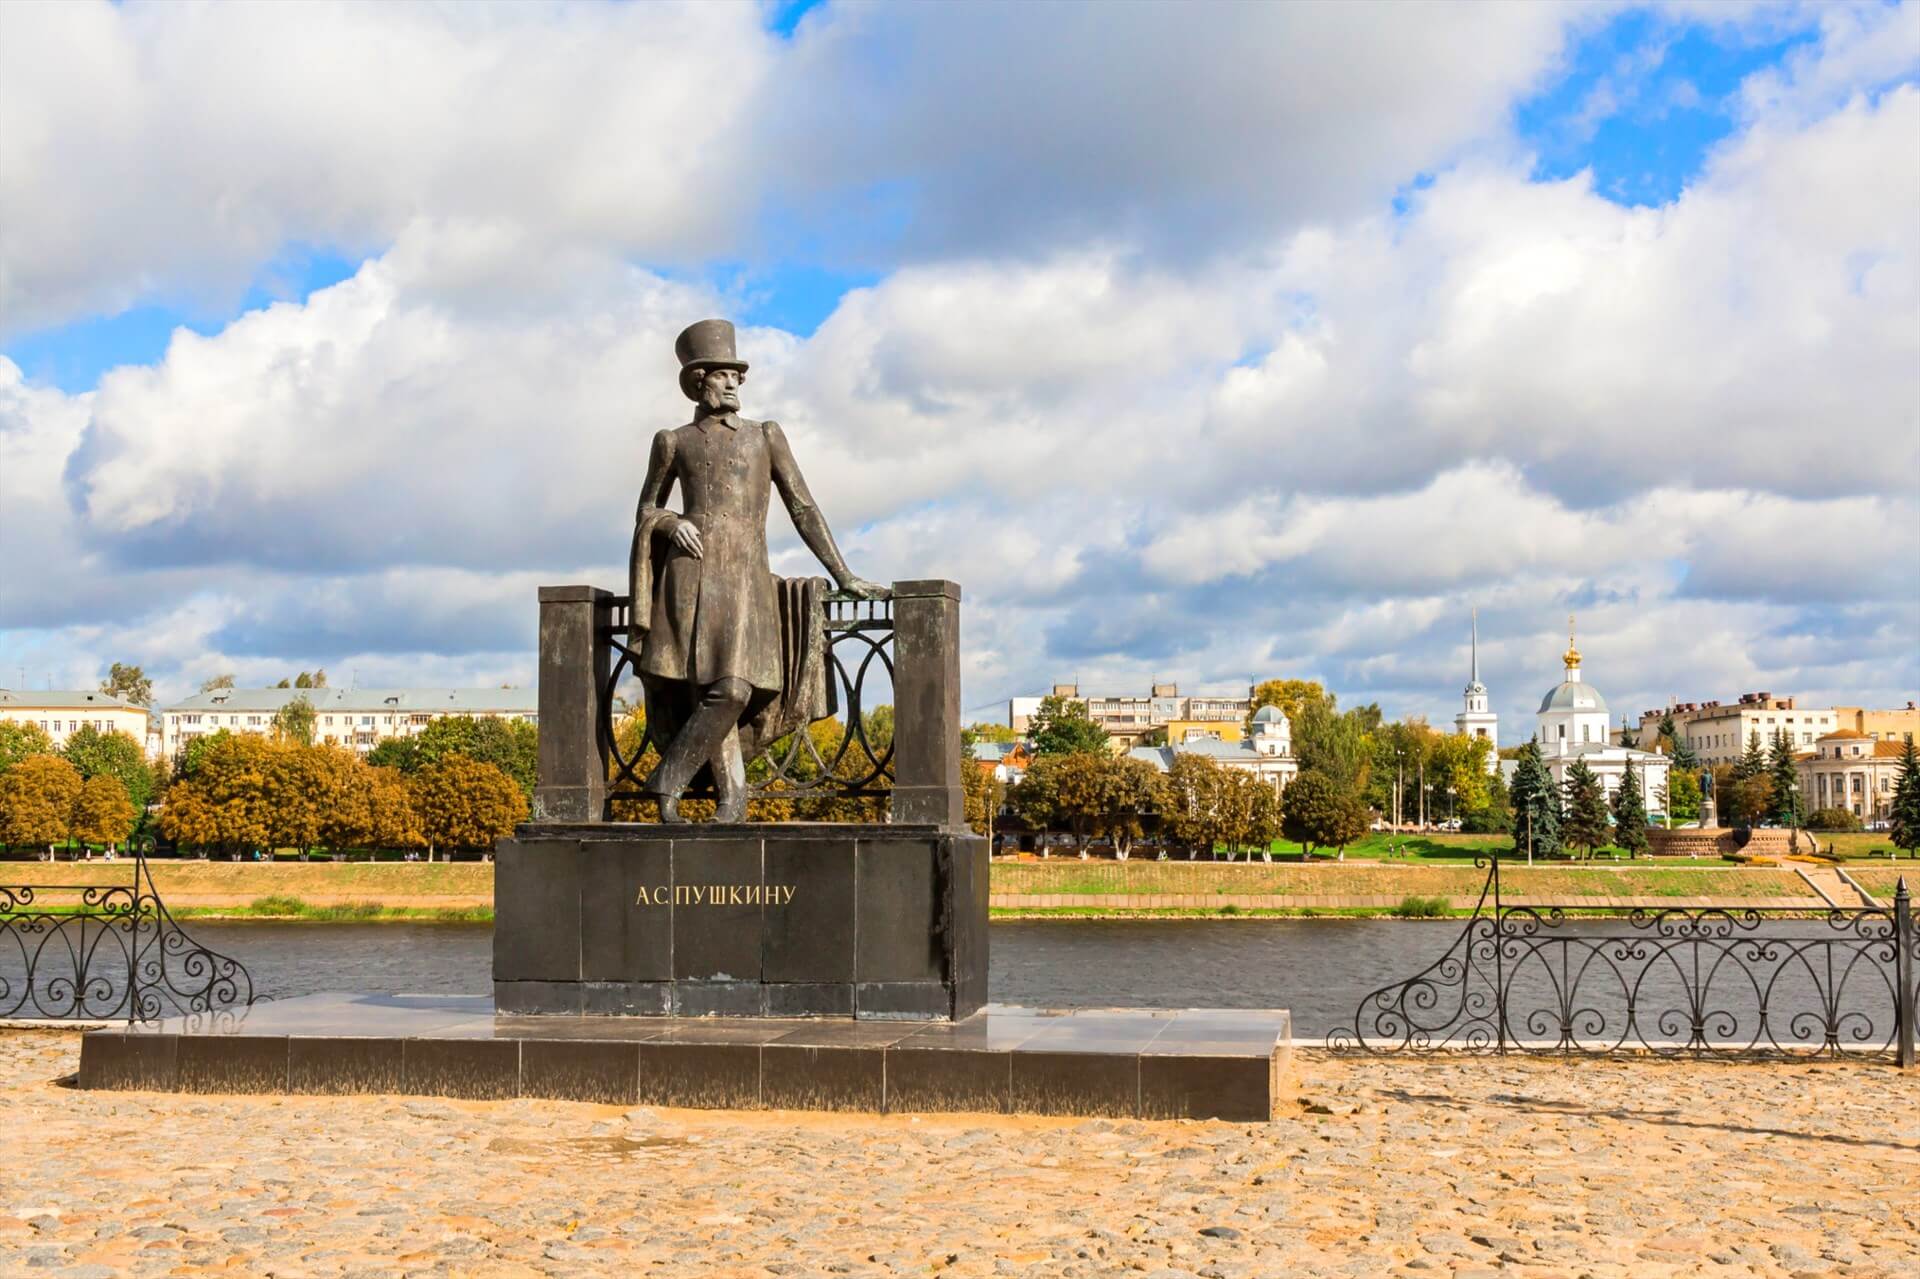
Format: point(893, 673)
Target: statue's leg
point(716, 714)
point(730, 779)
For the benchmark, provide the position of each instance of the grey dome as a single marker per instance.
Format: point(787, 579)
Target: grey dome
point(1268, 714)
point(1571, 695)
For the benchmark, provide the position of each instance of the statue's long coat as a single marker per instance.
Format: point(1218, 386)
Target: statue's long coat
point(724, 615)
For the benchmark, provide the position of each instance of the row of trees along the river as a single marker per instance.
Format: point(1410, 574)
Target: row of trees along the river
point(1352, 765)
point(459, 785)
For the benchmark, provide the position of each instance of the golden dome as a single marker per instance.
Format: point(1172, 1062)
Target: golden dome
point(1572, 656)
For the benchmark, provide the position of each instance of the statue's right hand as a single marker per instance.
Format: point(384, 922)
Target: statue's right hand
point(687, 538)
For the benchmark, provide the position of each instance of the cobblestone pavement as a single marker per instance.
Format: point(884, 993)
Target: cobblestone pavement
point(1383, 1168)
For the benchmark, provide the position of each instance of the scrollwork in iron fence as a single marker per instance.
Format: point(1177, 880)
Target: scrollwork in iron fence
point(1675, 981)
point(859, 653)
point(104, 952)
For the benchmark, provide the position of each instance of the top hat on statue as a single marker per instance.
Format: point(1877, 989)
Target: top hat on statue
point(705, 345)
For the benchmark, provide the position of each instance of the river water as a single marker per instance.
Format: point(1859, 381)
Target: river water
point(1318, 968)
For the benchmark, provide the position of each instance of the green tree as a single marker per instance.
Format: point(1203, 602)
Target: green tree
point(1317, 813)
point(102, 813)
point(510, 745)
point(1905, 813)
point(396, 752)
point(1292, 696)
point(195, 753)
point(1190, 817)
point(1683, 794)
point(1752, 761)
point(1495, 816)
point(466, 804)
point(1080, 788)
point(1630, 815)
point(1334, 744)
point(1035, 798)
point(116, 755)
point(1833, 819)
point(1062, 727)
point(19, 739)
point(1786, 780)
point(1748, 800)
point(217, 682)
point(1536, 805)
point(129, 684)
point(37, 796)
point(1585, 822)
point(1133, 794)
point(294, 722)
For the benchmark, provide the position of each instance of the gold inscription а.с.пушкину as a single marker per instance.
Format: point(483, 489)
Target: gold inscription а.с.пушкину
point(715, 895)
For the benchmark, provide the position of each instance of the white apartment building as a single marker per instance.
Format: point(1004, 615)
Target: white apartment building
point(356, 717)
point(61, 713)
point(1718, 733)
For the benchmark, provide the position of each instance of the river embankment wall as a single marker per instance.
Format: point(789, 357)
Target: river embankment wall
point(1039, 887)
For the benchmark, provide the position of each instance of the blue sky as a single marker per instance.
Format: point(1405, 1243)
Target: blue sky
point(1397, 313)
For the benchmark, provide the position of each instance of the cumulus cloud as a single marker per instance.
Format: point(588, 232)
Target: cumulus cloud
point(168, 149)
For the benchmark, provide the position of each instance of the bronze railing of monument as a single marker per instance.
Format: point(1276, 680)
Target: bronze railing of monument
point(106, 952)
point(860, 644)
point(1571, 980)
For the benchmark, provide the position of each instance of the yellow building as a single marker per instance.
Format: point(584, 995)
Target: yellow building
point(1180, 731)
point(1885, 726)
point(62, 713)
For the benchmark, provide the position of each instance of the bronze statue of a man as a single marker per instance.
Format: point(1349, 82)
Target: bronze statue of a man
point(730, 651)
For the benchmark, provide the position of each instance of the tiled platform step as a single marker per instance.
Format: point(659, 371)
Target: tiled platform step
point(1125, 1063)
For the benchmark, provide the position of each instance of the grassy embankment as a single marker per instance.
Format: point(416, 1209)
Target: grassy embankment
point(446, 892)
point(1431, 848)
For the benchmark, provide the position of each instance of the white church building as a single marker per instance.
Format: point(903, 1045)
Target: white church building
point(1574, 724)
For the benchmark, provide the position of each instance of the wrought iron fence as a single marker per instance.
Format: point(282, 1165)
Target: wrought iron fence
point(1683, 981)
point(105, 952)
point(798, 767)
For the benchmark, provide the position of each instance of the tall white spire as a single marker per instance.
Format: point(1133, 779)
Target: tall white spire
point(1476, 648)
point(1476, 718)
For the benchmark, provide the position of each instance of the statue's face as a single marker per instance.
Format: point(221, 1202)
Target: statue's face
point(720, 390)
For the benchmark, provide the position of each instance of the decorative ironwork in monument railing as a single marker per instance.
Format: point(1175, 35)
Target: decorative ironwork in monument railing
point(860, 645)
point(107, 951)
point(1574, 980)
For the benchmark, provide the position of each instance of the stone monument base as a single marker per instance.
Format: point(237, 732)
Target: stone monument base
point(1693, 841)
point(1126, 1063)
point(768, 919)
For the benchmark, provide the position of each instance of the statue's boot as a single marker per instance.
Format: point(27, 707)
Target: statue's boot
point(714, 718)
point(730, 781)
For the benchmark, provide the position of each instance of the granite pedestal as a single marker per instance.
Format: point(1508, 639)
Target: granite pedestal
point(1125, 1063)
point(761, 920)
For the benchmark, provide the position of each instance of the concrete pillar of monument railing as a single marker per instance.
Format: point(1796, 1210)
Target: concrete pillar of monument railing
point(575, 661)
point(926, 704)
point(571, 769)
